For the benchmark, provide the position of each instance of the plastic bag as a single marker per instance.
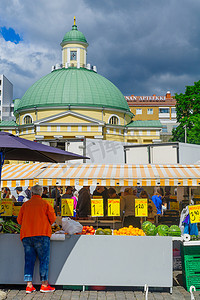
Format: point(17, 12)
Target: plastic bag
point(70, 226)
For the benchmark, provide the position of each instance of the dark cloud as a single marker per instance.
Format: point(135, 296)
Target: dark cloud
point(143, 47)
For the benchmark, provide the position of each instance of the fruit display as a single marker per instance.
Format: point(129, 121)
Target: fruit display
point(88, 230)
point(174, 230)
point(151, 230)
point(129, 231)
point(162, 230)
point(10, 227)
point(106, 231)
point(55, 228)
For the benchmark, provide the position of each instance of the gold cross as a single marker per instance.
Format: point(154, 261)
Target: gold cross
point(74, 20)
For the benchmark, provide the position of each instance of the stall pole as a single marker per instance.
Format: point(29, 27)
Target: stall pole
point(190, 195)
point(2, 157)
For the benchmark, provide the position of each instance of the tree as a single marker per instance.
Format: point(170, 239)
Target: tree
point(188, 115)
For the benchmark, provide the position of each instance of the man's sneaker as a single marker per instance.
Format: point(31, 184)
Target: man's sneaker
point(47, 289)
point(29, 290)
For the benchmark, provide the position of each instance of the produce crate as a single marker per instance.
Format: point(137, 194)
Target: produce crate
point(190, 250)
point(74, 287)
point(191, 280)
point(191, 265)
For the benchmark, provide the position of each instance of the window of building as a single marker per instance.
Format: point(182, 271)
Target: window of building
point(138, 111)
point(173, 110)
point(114, 120)
point(150, 111)
point(27, 120)
point(0, 82)
point(73, 55)
point(164, 128)
point(164, 110)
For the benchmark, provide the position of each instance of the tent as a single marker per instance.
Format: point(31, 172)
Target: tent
point(51, 174)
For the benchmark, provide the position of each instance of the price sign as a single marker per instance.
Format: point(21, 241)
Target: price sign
point(97, 208)
point(6, 208)
point(141, 208)
point(67, 207)
point(50, 201)
point(174, 205)
point(16, 210)
point(194, 211)
point(113, 207)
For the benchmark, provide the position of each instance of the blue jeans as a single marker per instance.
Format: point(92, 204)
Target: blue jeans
point(33, 247)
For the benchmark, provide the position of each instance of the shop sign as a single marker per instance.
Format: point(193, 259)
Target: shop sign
point(97, 208)
point(16, 210)
point(141, 207)
point(67, 207)
point(6, 208)
point(194, 211)
point(113, 207)
point(50, 201)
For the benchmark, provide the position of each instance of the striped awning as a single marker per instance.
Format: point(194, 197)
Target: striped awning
point(48, 174)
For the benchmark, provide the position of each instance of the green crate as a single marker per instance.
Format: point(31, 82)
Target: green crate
point(74, 287)
point(191, 280)
point(191, 265)
point(190, 250)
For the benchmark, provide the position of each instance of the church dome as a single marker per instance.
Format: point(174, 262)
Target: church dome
point(74, 35)
point(73, 87)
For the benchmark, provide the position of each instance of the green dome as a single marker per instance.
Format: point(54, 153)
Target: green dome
point(74, 87)
point(74, 36)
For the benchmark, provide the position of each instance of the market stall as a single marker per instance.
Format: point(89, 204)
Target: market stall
point(101, 260)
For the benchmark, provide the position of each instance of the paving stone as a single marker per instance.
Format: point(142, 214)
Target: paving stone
point(158, 296)
point(139, 295)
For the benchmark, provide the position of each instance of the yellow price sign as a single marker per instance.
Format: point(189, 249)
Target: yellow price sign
point(141, 208)
point(16, 210)
point(174, 205)
point(194, 211)
point(97, 208)
point(50, 201)
point(6, 208)
point(67, 207)
point(113, 207)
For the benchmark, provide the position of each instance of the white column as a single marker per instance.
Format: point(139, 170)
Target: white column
point(68, 55)
point(78, 56)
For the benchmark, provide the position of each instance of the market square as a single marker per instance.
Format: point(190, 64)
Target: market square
point(100, 178)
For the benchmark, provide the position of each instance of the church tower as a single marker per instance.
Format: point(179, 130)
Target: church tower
point(74, 48)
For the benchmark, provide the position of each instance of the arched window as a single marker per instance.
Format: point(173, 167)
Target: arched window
point(27, 120)
point(114, 120)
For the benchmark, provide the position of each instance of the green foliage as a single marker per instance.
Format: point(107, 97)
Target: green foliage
point(188, 114)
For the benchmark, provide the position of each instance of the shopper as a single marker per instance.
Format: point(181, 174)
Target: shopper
point(35, 218)
point(45, 192)
point(69, 194)
point(22, 197)
point(102, 192)
point(157, 200)
point(83, 208)
point(128, 208)
point(112, 193)
point(28, 192)
point(152, 210)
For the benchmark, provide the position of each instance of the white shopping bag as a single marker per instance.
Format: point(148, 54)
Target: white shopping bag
point(70, 226)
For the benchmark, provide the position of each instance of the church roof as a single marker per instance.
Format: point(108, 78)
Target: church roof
point(73, 87)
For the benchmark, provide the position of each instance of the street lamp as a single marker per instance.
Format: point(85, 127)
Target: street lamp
point(185, 133)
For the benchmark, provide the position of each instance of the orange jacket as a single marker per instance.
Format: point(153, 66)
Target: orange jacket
point(35, 217)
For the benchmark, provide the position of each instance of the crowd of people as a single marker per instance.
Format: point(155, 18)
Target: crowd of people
point(82, 200)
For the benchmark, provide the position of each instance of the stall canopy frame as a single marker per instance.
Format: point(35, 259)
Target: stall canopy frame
point(52, 174)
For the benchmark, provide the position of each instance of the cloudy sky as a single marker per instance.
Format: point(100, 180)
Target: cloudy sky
point(144, 47)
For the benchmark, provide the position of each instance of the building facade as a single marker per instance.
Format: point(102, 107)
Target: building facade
point(152, 108)
point(6, 99)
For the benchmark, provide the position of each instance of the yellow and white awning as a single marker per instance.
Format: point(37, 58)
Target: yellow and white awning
point(48, 174)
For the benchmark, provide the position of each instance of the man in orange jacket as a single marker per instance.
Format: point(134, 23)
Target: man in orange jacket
point(35, 218)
